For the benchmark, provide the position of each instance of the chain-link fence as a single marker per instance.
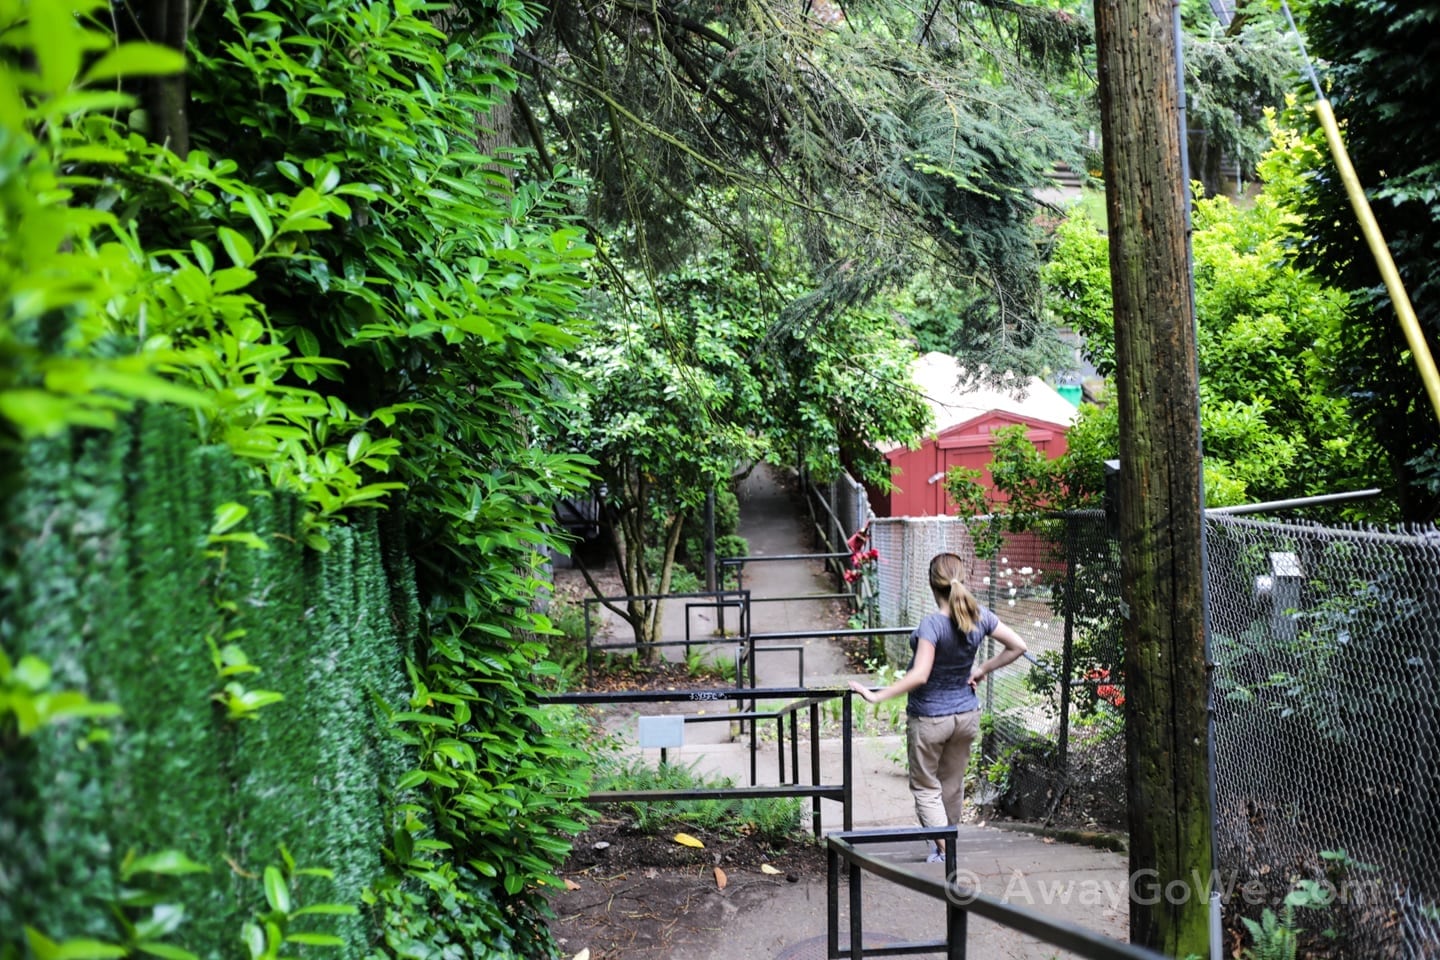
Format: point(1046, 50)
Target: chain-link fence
point(1052, 749)
point(1326, 643)
point(1327, 724)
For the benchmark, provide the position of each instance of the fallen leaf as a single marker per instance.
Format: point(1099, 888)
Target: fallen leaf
point(689, 841)
point(766, 868)
point(1047, 839)
point(720, 878)
point(571, 884)
point(583, 954)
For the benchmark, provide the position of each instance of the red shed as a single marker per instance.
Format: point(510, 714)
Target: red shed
point(965, 417)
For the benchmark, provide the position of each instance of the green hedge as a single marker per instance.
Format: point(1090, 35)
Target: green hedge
point(107, 579)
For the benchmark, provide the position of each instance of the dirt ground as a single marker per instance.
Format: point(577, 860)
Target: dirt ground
point(640, 897)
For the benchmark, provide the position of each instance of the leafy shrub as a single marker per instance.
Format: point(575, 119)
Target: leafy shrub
point(354, 296)
point(769, 818)
point(732, 545)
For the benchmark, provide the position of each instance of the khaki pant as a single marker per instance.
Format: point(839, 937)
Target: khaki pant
point(939, 750)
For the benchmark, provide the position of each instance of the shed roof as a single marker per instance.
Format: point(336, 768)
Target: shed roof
point(954, 398)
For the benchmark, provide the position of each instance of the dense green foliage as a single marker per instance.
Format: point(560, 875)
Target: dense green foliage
point(1382, 74)
point(1273, 425)
point(61, 282)
point(686, 389)
point(351, 295)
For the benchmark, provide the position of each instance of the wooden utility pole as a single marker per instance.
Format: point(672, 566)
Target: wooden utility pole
point(1160, 505)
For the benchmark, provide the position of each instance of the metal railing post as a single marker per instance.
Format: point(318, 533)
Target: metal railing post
point(815, 765)
point(845, 761)
point(803, 699)
point(589, 639)
point(832, 902)
point(780, 746)
point(955, 930)
point(857, 929)
point(794, 748)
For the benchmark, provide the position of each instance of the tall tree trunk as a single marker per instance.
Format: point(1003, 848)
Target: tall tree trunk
point(1167, 683)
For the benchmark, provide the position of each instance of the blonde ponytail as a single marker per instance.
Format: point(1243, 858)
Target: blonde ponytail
point(947, 581)
point(964, 608)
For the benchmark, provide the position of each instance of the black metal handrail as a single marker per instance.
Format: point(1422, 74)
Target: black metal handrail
point(961, 901)
point(803, 699)
point(720, 599)
point(751, 647)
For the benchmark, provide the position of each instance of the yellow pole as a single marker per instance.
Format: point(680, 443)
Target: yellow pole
point(1419, 349)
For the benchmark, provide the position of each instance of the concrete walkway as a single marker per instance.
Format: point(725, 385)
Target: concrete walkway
point(783, 921)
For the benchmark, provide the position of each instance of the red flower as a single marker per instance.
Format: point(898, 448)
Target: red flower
point(1110, 694)
point(851, 576)
point(873, 554)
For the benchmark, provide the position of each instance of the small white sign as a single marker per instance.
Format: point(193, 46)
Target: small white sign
point(667, 731)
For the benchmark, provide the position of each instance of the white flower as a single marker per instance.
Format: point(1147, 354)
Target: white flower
point(984, 579)
point(1026, 571)
point(1012, 593)
point(1011, 602)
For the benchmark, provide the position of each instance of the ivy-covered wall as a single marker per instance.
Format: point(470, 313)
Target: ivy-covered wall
point(112, 577)
point(341, 288)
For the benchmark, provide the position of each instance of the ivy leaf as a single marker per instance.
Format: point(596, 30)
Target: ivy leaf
point(315, 939)
point(169, 863)
point(46, 949)
point(227, 515)
point(165, 951)
point(277, 894)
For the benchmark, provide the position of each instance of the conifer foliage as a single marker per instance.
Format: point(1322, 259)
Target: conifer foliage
point(890, 140)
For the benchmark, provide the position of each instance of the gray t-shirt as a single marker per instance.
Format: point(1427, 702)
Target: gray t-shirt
point(948, 689)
